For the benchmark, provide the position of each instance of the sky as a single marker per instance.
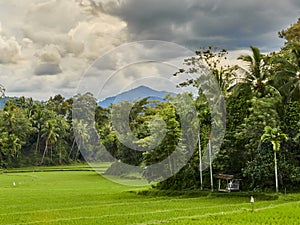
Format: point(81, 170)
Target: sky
point(50, 47)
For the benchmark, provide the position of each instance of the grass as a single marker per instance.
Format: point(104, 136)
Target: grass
point(76, 167)
point(78, 196)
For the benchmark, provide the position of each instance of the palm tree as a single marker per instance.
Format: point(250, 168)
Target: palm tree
point(274, 136)
point(255, 77)
point(14, 120)
point(9, 118)
point(51, 133)
point(287, 71)
point(15, 144)
point(37, 120)
point(63, 132)
point(81, 133)
point(2, 91)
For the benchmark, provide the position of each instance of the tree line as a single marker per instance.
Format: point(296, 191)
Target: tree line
point(261, 143)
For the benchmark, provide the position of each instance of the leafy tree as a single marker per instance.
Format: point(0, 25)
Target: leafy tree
point(126, 124)
point(291, 34)
point(210, 60)
point(232, 155)
point(262, 112)
point(5, 151)
point(169, 125)
point(15, 128)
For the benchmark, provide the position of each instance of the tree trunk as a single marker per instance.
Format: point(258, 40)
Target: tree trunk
point(51, 152)
point(77, 152)
point(210, 165)
point(275, 167)
point(170, 165)
point(45, 150)
point(37, 143)
point(60, 155)
point(200, 160)
point(73, 145)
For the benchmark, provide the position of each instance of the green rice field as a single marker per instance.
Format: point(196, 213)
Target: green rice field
point(77, 195)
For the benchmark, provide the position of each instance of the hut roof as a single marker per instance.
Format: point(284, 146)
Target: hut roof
point(225, 176)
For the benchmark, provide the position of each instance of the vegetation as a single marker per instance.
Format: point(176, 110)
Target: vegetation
point(84, 197)
point(263, 114)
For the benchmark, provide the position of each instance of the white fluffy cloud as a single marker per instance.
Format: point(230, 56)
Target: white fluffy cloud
point(51, 43)
point(10, 50)
point(99, 34)
point(50, 54)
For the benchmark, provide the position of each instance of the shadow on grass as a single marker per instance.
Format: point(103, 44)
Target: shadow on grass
point(208, 194)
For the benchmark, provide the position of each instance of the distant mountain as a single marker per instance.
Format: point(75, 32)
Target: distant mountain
point(135, 94)
point(2, 102)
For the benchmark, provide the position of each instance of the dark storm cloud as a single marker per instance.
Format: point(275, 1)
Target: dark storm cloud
point(140, 52)
point(47, 69)
point(226, 23)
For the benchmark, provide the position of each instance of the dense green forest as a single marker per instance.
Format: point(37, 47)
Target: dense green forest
point(262, 123)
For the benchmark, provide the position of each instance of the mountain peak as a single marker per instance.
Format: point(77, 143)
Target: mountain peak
point(137, 93)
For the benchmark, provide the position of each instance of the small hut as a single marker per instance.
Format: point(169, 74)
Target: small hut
point(228, 183)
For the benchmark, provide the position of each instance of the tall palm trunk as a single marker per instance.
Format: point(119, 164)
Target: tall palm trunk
point(45, 150)
point(276, 175)
point(37, 143)
point(51, 153)
point(78, 150)
point(72, 148)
